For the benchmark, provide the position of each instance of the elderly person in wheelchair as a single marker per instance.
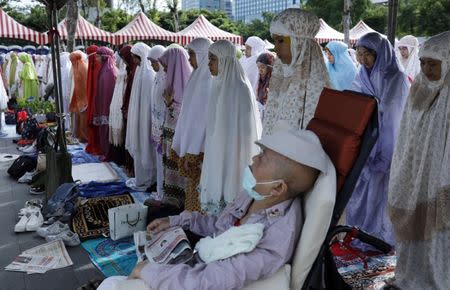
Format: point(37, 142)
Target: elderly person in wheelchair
point(258, 233)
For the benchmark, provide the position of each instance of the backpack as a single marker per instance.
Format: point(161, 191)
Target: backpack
point(21, 116)
point(45, 139)
point(22, 165)
point(30, 129)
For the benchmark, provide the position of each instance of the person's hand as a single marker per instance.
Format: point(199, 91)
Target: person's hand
point(136, 273)
point(158, 225)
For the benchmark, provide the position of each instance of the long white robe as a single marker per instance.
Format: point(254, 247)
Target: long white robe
point(138, 139)
point(232, 128)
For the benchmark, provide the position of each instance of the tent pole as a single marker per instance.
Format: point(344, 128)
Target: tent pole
point(392, 20)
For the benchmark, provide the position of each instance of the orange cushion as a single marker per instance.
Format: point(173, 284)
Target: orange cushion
point(348, 110)
point(340, 121)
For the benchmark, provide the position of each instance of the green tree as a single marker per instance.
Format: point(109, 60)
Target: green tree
point(331, 10)
point(115, 19)
point(257, 27)
point(433, 16)
point(408, 17)
point(376, 17)
point(37, 19)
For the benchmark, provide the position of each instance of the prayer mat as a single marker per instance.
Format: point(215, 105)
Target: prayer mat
point(100, 172)
point(369, 274)
point(91, 217)
point(112, 258)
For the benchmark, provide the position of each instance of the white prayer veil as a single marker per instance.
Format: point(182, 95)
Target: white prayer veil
point(411, 65)
point(115, 110)
point(249, 63)
point(191, 126)
point(139, 112)
point(232, 127)
point(295, 88)
point(419, 189)
point(158, 105)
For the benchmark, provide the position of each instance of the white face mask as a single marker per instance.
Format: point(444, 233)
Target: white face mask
point(249, 182)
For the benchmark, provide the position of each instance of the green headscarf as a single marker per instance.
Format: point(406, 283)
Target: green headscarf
point(29, 77)
point(28, 71)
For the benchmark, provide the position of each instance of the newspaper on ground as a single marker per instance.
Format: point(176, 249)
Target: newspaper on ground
point(32, 264)
point(40, 259)
point(167, 247)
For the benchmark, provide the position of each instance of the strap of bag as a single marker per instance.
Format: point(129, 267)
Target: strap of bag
point(134, 223)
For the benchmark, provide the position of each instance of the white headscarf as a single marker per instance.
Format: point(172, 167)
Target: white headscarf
point(295, 88)
point(115, 109)
point(420, 178)
point(411, 65)
point(232, 127)
point(138, 141)
point(191, 126)
point(158, 105)
point(249, 63)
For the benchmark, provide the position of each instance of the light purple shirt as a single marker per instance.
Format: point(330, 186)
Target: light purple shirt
point(282, 226)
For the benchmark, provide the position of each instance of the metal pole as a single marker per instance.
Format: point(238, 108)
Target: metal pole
point(347, 21)
point(392, 20)
point(57, 86)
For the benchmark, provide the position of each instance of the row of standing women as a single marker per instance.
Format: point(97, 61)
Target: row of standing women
point(189, 121)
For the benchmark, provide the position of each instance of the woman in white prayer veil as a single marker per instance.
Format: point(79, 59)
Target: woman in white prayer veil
point(232, 127)
point(189, 138)
point(408, 54)
point(299, 74)
point(419, 189)
point(138, 139)
point(66, 83)
point(254, 46)
point(158, 113)
point(116, 130)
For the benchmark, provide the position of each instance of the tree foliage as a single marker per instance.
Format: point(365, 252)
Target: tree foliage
point(115, 19)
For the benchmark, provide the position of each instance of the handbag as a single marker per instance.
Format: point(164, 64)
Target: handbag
point(58, 165)
point(124, 220)
point(41, 162)
point(22, 165)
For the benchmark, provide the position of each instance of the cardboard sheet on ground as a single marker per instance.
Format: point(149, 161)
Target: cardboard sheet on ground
point(87, 172)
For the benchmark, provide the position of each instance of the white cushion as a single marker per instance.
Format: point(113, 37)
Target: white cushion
point(319, 205)
point(279, 281)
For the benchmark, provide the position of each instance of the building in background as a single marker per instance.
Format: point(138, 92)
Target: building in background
point(212, 5)
point(247, 10)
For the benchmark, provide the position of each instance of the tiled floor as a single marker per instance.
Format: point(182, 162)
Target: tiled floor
point(12, 197)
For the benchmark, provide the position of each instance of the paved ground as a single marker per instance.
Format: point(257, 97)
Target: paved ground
point(12, 197)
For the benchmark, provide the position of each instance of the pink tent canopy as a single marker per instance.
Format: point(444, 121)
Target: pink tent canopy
point(9, 28)
point(201, 27)
point(359, 30)
point(327, 33)
point(85, 30)
point(142, 28)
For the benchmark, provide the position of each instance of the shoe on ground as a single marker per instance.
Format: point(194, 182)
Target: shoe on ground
point(38, 202)
point(27, 177)
point(21, 225)
point(28, 210)
point(29, 150)
point(37, 190)
point(68, 237)
point(53, 230)
point(36, 220)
